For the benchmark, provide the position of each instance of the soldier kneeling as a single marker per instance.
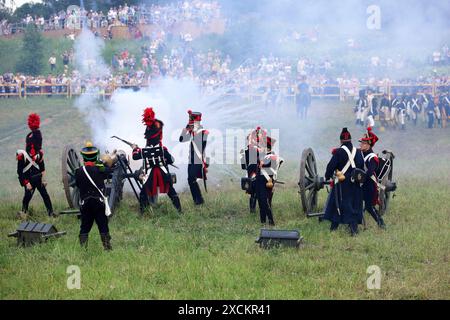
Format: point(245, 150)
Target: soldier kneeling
point(90, 181)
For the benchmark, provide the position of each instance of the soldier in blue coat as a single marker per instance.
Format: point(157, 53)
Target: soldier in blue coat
point(344, 205)
point(370, 185)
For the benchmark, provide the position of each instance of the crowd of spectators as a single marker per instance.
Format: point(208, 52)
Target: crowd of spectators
point(270, 77)
point(165, 16)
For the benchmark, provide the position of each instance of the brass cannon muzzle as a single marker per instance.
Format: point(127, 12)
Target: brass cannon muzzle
point(110, 159)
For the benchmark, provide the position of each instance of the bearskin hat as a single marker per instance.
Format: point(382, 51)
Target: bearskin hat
point(148, 117)
point(34, 121)
point(345, 135)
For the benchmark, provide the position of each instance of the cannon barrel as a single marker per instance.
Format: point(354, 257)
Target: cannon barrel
point(110, 159)
point(117, 161)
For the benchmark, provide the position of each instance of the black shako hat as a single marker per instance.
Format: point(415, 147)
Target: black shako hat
point(345, 135)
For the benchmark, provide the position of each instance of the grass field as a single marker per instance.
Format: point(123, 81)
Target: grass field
point(209, 252)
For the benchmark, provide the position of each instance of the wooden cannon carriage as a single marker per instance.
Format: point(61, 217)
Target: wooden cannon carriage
point(310, 182)
point(121, 171)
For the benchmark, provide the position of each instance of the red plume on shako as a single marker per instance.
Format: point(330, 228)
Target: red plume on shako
point(148, 117)
point(370, 137)
point(34, 121)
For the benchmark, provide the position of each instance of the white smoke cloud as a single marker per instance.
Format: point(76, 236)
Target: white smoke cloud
point(171, 98)
point(88, 55)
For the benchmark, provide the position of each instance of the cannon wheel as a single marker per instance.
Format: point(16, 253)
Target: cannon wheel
point(308, 181)
point(69, 163)
point(385, 197)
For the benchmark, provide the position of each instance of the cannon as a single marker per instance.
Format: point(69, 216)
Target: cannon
point(121, 171)
point(310, 182)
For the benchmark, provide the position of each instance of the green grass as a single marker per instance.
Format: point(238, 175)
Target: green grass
point(210, 253)
point(11, 52)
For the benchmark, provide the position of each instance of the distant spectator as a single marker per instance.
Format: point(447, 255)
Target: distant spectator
point(52, 62)
point(66, 59)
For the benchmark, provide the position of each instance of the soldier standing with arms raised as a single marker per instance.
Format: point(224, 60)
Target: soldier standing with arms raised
point(197, 167)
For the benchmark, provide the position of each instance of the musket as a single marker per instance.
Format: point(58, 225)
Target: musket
point(174, 166)
point(133, 144)
point(125, 141)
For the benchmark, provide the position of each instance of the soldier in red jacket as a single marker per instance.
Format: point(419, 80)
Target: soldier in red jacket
point(156, 160)
point(31, 167)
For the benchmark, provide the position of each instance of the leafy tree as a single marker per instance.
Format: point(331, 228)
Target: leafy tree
point(32, 58)
point(34, 9)
point(5, 13)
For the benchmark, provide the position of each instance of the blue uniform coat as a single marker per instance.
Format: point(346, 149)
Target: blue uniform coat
point(350, 196)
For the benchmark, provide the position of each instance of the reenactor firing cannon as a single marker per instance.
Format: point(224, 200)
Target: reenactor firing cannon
point(121, 171)
point(310, 182)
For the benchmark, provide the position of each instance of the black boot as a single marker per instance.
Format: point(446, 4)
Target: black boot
point(196, 193)
point(377, 217)
point(84, 240)
point(143, 201)
point(199, 201)
point(353, 229)
point(51, 213)
point(373, 213)
point(334, 226)
point(381, 223)
point(176, 203)
point(106, 241)
point(252, 203)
